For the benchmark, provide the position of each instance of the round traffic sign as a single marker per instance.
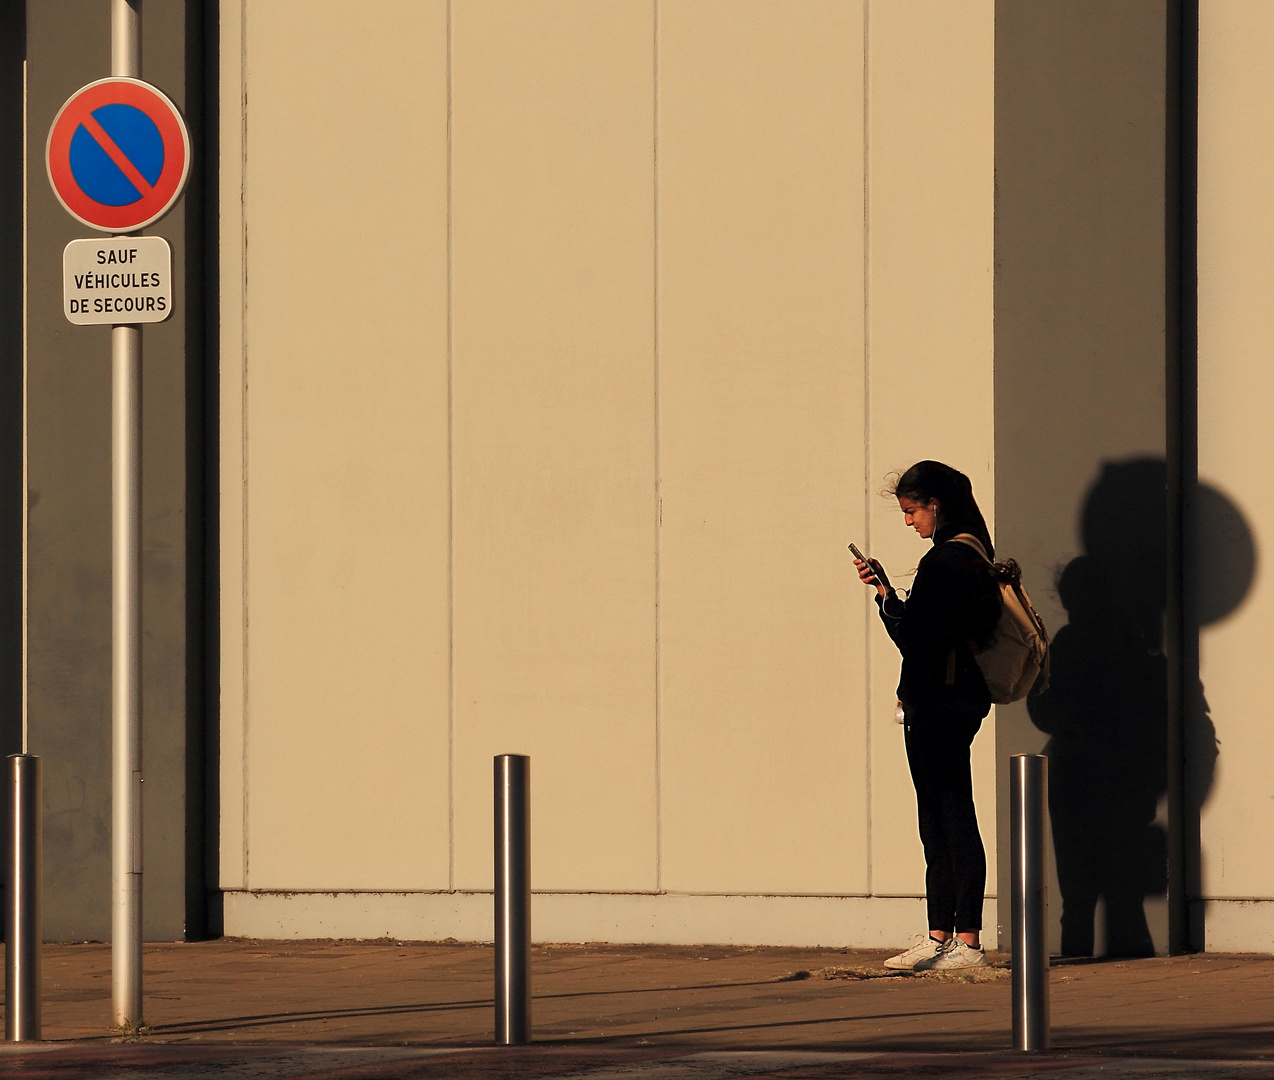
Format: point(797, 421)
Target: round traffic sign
point(118, 155)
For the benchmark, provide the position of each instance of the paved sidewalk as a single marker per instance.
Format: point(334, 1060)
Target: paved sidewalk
point(344, 1009)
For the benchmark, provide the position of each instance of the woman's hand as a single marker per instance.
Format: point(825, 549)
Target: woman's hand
point(872, 573)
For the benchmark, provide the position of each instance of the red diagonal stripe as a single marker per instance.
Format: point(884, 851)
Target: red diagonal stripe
point(116, 155)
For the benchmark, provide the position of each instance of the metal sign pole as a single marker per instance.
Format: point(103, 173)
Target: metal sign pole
point(126, 727)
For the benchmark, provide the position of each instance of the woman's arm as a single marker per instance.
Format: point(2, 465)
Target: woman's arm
point(888, 601)
point(892, 612)
point(946, 598)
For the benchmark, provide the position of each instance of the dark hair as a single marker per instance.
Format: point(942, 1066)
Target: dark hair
point(927, 480)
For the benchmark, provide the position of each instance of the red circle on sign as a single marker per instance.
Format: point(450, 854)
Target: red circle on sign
point(160, 197)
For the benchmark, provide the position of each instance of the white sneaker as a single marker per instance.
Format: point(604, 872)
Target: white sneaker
point(957, 954)
point(924, 951)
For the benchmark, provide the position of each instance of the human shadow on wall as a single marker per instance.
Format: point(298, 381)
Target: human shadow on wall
point(1106, 707)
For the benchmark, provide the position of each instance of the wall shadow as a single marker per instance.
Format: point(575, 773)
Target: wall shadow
point(1107, 708)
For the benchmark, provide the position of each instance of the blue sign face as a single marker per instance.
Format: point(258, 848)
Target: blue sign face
point(118, 155)
point(135, 135)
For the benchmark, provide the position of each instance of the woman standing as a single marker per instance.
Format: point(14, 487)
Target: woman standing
point(952, 608)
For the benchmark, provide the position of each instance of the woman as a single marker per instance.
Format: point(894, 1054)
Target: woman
point(952, 609)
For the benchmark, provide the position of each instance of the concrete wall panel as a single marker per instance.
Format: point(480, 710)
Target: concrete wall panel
point(553, 197)
point(930, 206)
point(761, 447)
point(346, 445)
point(1236, 336)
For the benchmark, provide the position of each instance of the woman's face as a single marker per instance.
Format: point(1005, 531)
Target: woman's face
point(923, 517)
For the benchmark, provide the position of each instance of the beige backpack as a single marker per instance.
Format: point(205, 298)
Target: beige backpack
point(1018, 652)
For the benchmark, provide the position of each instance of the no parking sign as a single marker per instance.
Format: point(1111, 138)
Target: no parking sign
point(118, 155)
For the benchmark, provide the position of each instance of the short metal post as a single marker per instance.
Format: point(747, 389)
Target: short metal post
point(512, 899)
point(22, 929)
point(1028, 797)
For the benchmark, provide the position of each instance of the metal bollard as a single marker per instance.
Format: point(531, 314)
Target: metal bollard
point(22, 929)
point(1028, 798)
point(512, 899)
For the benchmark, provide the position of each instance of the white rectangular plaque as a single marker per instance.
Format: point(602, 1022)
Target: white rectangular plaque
point(119, 280)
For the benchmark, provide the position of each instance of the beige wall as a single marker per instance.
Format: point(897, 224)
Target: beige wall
point(760, 398)
point(1236, 341)
point(554, 433)
point(554, 445)
point(335, 469)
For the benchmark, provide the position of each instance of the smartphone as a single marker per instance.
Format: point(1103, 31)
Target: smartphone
point(875, 567)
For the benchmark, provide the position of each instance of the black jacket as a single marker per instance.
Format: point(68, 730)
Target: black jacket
point(954, 601)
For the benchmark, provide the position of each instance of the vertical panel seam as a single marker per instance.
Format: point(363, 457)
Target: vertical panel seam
point(659, 826)
point(867, 459)
point(451, 497)
point(243, 414)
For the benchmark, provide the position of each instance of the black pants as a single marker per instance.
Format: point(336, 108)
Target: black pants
point(938, 745)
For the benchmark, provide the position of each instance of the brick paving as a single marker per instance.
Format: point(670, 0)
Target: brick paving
point(360, 1009)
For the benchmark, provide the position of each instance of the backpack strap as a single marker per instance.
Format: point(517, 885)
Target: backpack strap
point(969, 540)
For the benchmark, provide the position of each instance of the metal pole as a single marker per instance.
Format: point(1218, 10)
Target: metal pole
point(126, 805)
point(1028, 797)
point(512, 899)
point(126, 460)
point(126, 38)
point(22, 931)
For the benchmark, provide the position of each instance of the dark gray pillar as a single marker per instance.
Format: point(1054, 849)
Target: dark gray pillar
point(68, 571)
point(12, 43)
point(12, 40)
point(1084, 341)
